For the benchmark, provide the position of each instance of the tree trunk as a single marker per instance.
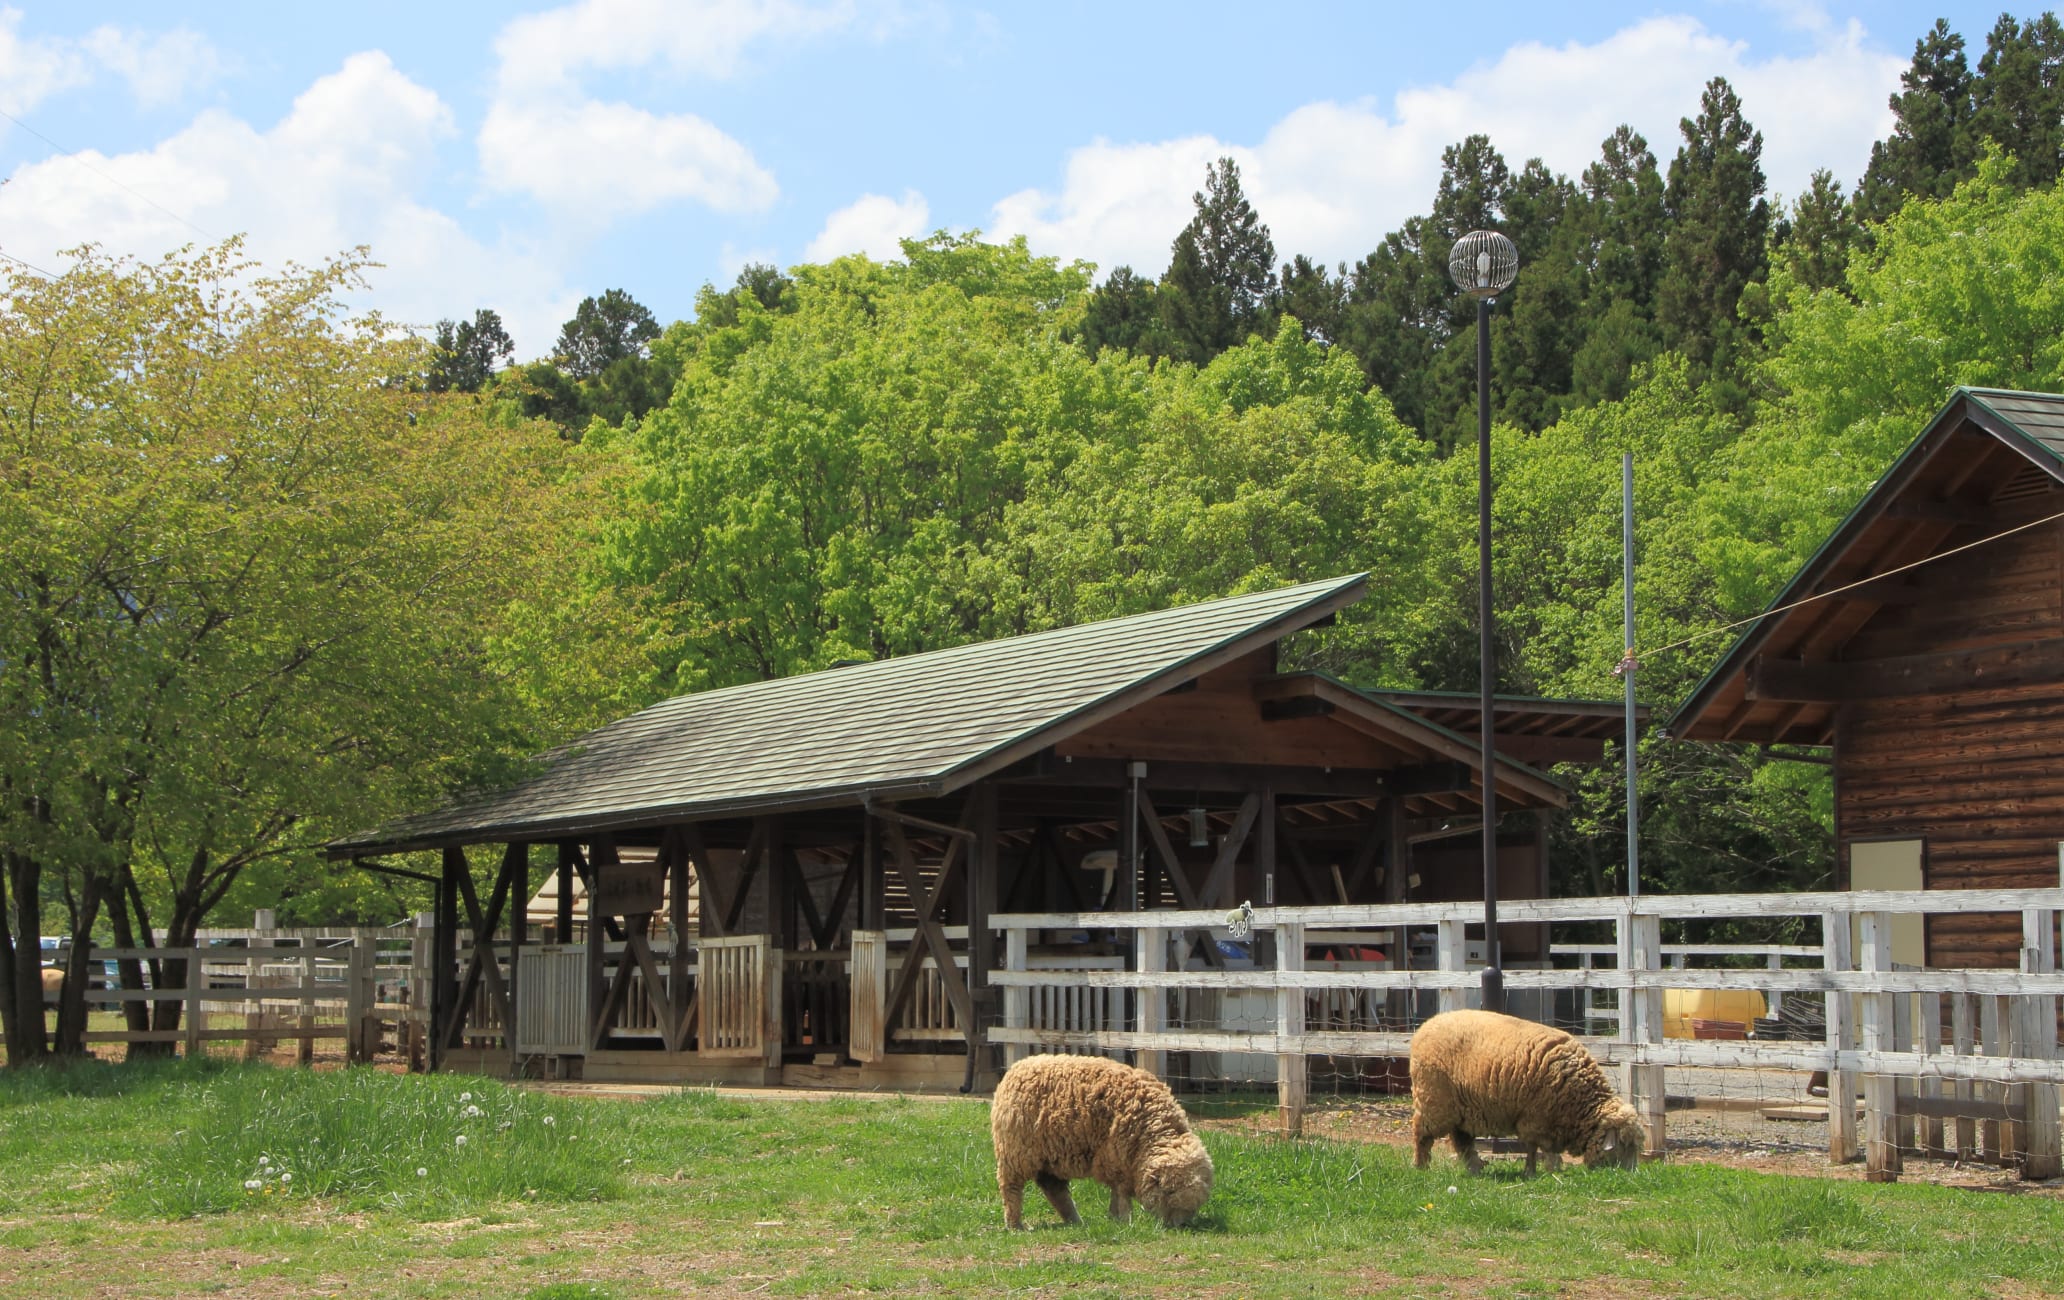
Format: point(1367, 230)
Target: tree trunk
point(25, 1029)
point(135, 1015)
point(71, 1003)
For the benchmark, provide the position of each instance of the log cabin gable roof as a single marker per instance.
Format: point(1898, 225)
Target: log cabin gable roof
point(1989, 461)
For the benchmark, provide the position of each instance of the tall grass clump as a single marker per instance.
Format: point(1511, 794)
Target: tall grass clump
point(358, 1139)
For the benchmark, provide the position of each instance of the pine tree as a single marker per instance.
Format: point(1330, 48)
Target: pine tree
point(1311, 297)
point(2017, 98)
point(1122, 314)
point(1219, 272)
point(1931, 147)
point(1717, 240)
point(1814, 241)
point(465, 354)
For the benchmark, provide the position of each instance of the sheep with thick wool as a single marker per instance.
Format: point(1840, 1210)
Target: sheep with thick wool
point(1060, 1117)
point(1481, 1074)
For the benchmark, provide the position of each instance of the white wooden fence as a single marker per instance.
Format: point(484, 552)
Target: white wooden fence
point(2002, 1022)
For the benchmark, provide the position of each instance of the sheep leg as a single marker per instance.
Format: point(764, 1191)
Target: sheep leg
point(1013, 1203)
point(1530, 1152)
point(1554, 1161)
point(1465, 1150)
point(1121, 1206)
point(1056, 1190)
point(1423, 1138)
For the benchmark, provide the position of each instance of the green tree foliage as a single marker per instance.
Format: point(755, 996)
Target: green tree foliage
point(2017, 99)
point(1961, 291)
point(464, 355)
point(1815, 239)
point(1930, 148)
point(1220, 271)
point(1122, 313)
point(1308, 295)
point(614, 327)
point(252, 594)
point(1718, 236)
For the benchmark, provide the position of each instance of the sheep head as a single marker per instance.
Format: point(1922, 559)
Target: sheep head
point(1175, 1180)
point(1617, 1139)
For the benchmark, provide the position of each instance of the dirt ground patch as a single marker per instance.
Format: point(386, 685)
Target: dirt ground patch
point(1732, 1138)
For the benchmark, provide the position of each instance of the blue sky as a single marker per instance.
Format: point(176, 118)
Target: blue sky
point(523, 158)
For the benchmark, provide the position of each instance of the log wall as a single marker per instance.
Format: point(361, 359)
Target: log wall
point(1976, 774)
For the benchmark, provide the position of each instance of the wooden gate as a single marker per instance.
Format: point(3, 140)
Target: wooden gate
point(740, 998)
point(867, 1039)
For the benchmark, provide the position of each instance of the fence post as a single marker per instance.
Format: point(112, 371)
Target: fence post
point(360, 1034)
point(1880, 1101)
point(1451, 953)
point(196, 984)
point(1644, 944)
point(1291, 1062)
point(254, 1008)
point(304, 1051)
point(1841, 1037)
point(771, 1031)
point(2036, 1038)
point(1017, 1000)
point(1152, 959)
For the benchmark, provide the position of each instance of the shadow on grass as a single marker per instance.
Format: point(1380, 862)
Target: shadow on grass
point(41, 1081)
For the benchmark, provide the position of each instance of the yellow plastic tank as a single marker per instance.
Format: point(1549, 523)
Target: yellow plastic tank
point(1682, 1006)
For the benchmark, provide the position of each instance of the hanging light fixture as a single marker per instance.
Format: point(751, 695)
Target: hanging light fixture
point(1200, 829)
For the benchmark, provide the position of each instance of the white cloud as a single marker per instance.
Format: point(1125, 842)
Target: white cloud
point(873, 224)
point(339, 170)
point(1331, 179)
point(545, 137)
point(160, 69)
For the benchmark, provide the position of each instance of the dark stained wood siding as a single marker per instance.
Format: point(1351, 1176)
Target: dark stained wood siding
point(1976, 774)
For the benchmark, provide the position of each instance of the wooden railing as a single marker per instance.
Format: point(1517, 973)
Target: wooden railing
point(2001, 1024)
point(259, 995)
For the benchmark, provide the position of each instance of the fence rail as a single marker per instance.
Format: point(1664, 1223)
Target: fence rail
point(1908, 1038)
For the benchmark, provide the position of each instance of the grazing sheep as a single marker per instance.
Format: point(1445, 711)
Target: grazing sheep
point(1061, 1117)
point(1479, 1074)
point(53, 982)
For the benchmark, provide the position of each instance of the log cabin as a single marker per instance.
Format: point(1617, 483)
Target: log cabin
point(1922, 648)
point(792, 877)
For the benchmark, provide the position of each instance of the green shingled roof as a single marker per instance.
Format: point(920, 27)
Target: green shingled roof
point(2037, 417)
point(922, 724)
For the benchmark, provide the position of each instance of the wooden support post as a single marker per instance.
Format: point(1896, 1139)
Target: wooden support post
point(601, 858)
point(1017, 1001)
point(1451, 952)
point(422, 976)
point(444, 959)
point(304, 1049)
point(1265, 851)
point(362, 1031)
point(1841, 1037)
point(1291, 1063)
point(1880, 1104)
point(196, 1017)
point(518, 861)
point(1644, 948)
point(1152, 957)
point(254, 1007)
point(2035, 1036)
point(983, 873)
point(771, 1031)
point(873, 880)
point(562, 920)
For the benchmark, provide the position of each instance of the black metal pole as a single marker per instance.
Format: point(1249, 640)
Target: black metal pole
point(1487, 662)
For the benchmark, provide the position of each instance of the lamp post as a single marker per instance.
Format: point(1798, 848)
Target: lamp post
point(1483, 265)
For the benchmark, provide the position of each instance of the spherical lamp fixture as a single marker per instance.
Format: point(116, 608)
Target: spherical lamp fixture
point(1483, 263)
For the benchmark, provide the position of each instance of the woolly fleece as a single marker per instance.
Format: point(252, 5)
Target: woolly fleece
point(1060, 1117)
point(1480, 1074)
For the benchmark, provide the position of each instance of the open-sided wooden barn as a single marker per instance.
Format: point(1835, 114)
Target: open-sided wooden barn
point(1940, 688)
point(842, 837)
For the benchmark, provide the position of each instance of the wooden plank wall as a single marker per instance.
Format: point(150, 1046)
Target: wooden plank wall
point(1977, 774)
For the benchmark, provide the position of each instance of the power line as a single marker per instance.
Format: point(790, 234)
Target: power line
point(73, 157)
point(9, 257)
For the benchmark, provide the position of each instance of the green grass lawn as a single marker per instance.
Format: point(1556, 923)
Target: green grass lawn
point(250, 1180)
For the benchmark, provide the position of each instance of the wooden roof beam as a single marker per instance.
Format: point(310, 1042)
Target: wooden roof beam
point(2020, 663)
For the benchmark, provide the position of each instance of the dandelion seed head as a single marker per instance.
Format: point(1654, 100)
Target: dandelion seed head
point(465, 1096)
point(422, 1172)
point(286, 1177)
point(252, 1184)
point(549, 1121)
point(462, 1139)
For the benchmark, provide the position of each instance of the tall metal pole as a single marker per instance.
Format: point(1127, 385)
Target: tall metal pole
point(1628, 666)
point(1487, 660)
point(1483, 264)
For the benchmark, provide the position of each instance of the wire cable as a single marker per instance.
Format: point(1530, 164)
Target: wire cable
point(72, 156)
